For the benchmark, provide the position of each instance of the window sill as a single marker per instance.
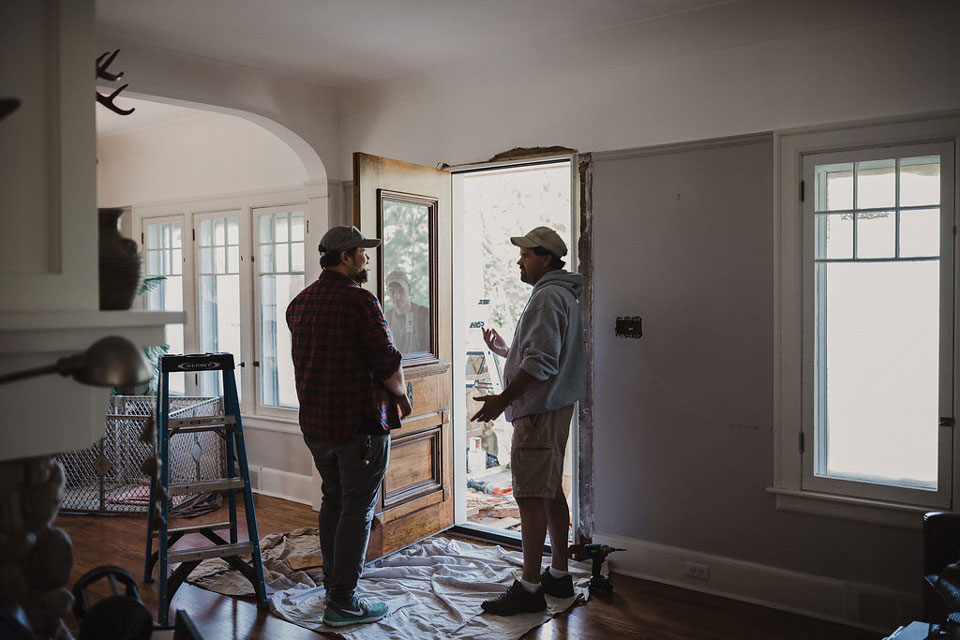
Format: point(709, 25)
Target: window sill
point(272, 423)
point(825, 504)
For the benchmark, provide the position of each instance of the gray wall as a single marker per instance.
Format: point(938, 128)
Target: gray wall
point(684, 416)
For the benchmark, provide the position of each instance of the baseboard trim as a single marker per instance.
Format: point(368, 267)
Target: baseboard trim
point(282, 484)
point(851, 603)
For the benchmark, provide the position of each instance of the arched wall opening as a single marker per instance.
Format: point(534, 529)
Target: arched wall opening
point(193, 171)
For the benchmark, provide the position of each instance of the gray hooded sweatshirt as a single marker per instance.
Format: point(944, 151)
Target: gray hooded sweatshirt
point(549, 345)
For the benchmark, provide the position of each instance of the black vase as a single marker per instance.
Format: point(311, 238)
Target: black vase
point(119, 264)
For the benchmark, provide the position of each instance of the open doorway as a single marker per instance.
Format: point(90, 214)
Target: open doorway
point(493, 203)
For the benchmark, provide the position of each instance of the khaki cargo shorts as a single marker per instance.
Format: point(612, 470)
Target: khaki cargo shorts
point(536, 454)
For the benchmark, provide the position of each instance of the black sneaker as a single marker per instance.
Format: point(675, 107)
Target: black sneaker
point(356, 612)
point(516, 599)
point(557, 587)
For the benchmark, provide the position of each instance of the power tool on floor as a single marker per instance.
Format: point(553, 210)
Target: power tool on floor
point(599, 584)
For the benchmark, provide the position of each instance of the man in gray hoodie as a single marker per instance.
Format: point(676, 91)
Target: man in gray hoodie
point(545, 375)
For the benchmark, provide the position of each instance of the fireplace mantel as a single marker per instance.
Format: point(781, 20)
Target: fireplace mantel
point(52, 414)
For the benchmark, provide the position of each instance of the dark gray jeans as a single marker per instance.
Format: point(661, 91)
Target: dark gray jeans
point(350, 490)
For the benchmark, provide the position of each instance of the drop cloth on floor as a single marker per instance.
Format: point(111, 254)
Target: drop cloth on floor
point(433, 588)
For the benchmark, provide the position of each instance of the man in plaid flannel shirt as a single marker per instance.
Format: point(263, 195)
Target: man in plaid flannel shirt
point(351, 391)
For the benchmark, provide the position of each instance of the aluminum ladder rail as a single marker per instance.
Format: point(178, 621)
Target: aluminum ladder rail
point(237, 480)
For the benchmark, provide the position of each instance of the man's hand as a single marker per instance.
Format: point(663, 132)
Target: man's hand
point(403, 404)
point(495, 342)
point(493, 406)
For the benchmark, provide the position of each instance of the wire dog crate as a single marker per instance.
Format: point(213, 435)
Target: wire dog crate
point(106, 477)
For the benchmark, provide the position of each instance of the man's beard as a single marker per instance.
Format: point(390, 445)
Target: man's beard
point(523, 276)
point(360, 276)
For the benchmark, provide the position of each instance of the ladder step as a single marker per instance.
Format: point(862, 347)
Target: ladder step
point(217, 428)
point(195, 528)
point(216, 551)
point(205, 486)
point(206, 421)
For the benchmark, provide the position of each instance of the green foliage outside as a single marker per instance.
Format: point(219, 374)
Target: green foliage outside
point(406, 246)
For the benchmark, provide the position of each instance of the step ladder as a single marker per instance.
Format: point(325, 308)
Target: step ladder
point(237, 480)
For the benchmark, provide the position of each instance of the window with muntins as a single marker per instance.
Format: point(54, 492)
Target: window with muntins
point(163, 249)
point(234, 269)
point(280, 270)
point(877, 348)
point(865, 374)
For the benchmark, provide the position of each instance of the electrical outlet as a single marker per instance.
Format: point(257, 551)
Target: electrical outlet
point(696, 570)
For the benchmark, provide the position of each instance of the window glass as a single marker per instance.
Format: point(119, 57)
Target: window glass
point(218, 297)
point(164, 259)
point(280, 279)
point(877, 322)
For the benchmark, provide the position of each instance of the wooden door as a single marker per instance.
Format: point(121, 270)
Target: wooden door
point(416, 499)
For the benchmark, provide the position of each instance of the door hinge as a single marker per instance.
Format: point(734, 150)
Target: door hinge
point(802, 190)
point(947, 421)
point(801, 442)
point(193, 234)
point(308, 227)
point(141, 238)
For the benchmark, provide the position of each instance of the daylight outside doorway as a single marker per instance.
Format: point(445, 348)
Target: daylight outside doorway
point(493, 204)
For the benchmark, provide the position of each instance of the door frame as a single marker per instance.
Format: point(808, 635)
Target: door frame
point(581, 186)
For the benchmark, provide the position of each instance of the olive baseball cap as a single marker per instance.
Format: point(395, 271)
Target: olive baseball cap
point(543, 237)
point(339, 239)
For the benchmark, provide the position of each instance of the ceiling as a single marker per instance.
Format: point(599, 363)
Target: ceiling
point(339, 42)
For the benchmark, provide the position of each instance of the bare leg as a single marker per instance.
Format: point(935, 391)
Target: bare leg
point(533, 533)
point(558, 522)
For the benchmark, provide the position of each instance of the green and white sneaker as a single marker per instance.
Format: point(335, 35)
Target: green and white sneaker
point(356, 612)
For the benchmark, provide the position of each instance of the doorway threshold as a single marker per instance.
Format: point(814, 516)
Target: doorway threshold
point(491, 535)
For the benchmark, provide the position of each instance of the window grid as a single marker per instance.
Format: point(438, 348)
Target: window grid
point(822, 213)
point(856, 215)
point(280, 251)
point(218, 252)
point(164, 258)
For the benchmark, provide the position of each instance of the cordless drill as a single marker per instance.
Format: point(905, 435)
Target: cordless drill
point(599, 584)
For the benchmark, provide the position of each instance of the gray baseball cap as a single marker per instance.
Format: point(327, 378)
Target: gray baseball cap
point(543, 237)
point(339, 239)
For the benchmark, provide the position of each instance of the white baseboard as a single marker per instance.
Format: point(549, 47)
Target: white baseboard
point(282, 484)
point(856, 604)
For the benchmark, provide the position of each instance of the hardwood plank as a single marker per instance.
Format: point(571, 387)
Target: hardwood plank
point(636, 609)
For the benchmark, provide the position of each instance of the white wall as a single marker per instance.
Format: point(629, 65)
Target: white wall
point(683, 417)
point(212, 154)
point(302, 114)
point(732, 69)
point(684, 461)
point(195, 162)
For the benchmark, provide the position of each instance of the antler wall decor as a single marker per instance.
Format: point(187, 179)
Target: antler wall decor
point(103, 61)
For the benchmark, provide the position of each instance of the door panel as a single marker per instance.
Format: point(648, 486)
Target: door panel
point(416, 498)
point(414, 468)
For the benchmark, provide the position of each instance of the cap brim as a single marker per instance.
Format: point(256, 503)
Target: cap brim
point(370, 243)
point(523, 241)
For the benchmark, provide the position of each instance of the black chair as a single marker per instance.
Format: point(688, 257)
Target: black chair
point(941, 565)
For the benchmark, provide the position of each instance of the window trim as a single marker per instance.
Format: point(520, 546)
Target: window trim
point(789, 314)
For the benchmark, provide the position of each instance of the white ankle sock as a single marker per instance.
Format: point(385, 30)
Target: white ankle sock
point(558, 574)
point(531, 587)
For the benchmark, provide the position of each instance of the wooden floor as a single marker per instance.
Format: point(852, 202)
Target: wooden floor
point(636, 609)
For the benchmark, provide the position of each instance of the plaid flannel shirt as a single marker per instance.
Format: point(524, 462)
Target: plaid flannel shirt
point(342, 349)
